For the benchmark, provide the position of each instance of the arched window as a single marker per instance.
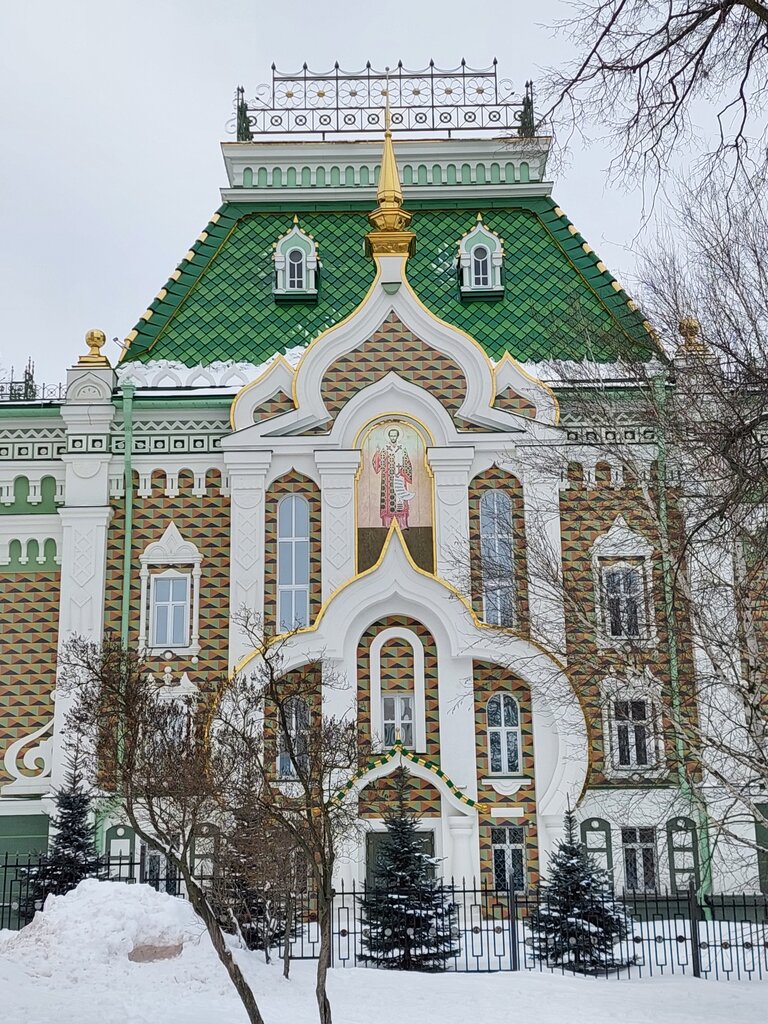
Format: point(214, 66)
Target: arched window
point(296, 275)
point(496, 558)
point(503, 723)
point(481, 267)
point(293, 747)
point(292, 562)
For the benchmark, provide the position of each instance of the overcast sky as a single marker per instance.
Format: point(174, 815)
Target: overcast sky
point(112, 114)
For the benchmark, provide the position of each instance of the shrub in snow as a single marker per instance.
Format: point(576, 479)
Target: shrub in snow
point(72, 855)
point(409, 916)
point(578, 923)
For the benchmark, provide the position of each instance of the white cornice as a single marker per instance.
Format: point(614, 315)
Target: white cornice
point(368, 193)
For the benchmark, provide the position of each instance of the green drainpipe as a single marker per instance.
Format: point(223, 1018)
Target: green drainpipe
point(128, 389)
point(700, 811)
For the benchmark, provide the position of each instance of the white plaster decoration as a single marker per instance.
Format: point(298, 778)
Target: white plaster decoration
point(171, 550)
point(451, 468)
point(337, 474)
point(247, 472)
point(506, 787)
point(28, 762)
point(543, 532)
point(182, 689)
point(621, 542)
point(164, 374)
point(26, 528)
point(480, 238)
point(35, 473)
point(418, 689)
point(301, 280)
point(509, 374)
point(464, 859)
point(507, 812)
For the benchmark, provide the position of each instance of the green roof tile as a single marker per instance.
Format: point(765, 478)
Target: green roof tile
point(222, 306)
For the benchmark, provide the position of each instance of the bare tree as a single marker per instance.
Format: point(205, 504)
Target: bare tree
point(294, 759)
point(151, 753)
point(648, 70)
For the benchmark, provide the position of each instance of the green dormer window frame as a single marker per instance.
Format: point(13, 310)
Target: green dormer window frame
point(296, 267)
point(481, 265)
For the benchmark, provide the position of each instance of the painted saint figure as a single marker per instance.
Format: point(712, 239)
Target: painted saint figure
point(393, 463)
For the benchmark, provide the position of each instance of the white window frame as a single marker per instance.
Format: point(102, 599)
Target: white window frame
point(491, 583)
point(398, 696)
point(474, 259)
point(295, 727)
point(621, 547)
point(169, 574)
point(509, 847)
point(180, 558)
point(504, 731)
point(638, 846)
point(418, 689)
point(634, 686)
point(480, 235)
point(291, 241)
point(292, 541)
point(289, 264)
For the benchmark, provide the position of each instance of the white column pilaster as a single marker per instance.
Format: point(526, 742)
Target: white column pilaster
point(451, 468)
point(541, 502)
point(247, 476)
point(337, 473)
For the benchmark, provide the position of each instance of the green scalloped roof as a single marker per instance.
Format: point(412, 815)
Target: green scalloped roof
point(221, 307)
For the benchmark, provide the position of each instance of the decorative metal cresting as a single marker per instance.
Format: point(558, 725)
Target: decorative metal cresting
point(336, 102)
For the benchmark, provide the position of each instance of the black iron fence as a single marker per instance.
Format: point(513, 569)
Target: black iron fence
point(722, 937)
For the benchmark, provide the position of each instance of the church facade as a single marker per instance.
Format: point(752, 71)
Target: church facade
point(339, 414)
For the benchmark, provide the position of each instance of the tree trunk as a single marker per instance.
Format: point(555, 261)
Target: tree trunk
point(205, 912)
point(287, 935)
point(324, 959)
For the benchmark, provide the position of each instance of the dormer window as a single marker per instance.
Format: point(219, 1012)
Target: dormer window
point(481, 258)
point(296, 267)
point(622, 570)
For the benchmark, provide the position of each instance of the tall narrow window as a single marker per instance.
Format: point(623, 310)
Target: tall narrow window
point(481, 267)
point(296, 274)
point(170, 610)
point(293, 747)
point(496, 547)
point(508, 847)
point(397, 718)
point(634, 743)
point(293, 562)
point(640, 859)
point(624, 602)
point(683, 853)
point(503, 721)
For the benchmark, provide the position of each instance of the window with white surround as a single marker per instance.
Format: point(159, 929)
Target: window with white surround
point(622, 570)
point(641, 861)
point(296, 267)
point(170, 611)
point(169, 617)
point(397, 714)
point(508, 849)
point(481, 258)
point(632, 724)
point(293, 746)
point(496, 557)
point(293, 562)
point(504, 740)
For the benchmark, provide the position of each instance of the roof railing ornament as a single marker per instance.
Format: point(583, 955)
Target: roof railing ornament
point(429, 101)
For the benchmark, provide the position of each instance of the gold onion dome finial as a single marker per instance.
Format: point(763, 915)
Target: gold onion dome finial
point(389, 220)
point(690, 331)
point(95, 340)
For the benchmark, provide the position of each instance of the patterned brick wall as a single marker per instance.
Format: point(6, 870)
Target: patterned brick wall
point(203, 520)
point(586, 514)
point(292, 483)
point(29, 616)
point(510, 401)
point(277, 405)
point(489, 679)
point(380, 796)
point(497, 478)
point(397, 674)
point(394, 348)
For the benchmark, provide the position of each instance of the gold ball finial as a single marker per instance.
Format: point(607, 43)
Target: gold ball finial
point(690, 331)
point(95, 340)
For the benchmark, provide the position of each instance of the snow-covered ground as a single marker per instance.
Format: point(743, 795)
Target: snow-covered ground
point(71, 966)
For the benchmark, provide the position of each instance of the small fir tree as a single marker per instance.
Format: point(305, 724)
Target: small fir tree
point(408, 915)
point(578, 923)
point(72, 855)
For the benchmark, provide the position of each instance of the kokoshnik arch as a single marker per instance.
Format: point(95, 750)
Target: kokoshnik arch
point(336, 404)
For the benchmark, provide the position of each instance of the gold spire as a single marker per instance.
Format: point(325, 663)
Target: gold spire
point(389, 220)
